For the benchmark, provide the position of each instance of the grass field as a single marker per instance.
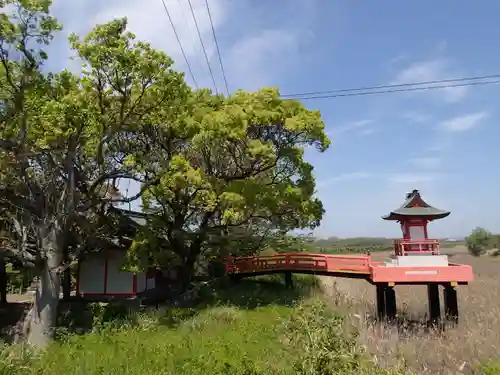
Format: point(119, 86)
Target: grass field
point(462, 350)
point(257, 327)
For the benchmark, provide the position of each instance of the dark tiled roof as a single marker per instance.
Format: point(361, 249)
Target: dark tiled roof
point(415, 206)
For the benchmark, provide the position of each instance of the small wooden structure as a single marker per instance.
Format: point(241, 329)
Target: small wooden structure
point(417, 254)
point(100, 274)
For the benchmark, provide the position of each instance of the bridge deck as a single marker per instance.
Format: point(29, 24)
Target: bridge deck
point(349, 266)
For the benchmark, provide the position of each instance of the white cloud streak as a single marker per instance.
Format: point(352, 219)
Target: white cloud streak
point(352, 176)
point(349, 127)
point(464, 123)
point(252, 58)
point(413, 178)
point(433, 70)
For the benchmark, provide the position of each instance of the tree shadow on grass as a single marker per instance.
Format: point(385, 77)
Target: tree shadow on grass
point(255, 292)
point(79, 316)
point(248, 294)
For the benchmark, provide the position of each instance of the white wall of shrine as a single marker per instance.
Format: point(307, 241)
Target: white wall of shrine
point(100, 274)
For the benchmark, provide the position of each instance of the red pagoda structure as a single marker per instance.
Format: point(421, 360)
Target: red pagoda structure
point(414, 215)
point(418, 254)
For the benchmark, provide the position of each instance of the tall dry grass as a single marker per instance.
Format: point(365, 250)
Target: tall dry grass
point(459, 350)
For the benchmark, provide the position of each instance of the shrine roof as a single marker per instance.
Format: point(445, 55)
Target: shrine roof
point(415, 206)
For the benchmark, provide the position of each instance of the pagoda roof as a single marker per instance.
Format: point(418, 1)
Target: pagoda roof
point(415, 206)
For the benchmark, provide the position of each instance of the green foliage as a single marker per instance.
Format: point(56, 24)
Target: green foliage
point(241, 176)
point(65, 140)
point(490, 368)
point(324, 351)
point(211, 168)
point(327, 345)
point(19, 280)
point(478, 241)
point(495, 241)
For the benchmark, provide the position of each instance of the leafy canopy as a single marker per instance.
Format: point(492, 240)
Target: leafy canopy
point(243, 167)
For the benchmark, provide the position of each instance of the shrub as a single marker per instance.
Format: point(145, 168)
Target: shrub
point(327, 345)
point(478, 241)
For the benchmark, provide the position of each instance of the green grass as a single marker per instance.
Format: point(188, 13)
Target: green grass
point(252, 328)
point(490, 368)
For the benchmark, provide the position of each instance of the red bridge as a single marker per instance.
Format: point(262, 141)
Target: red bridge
point(349, 266)
point(357, 266)
point(384, 275)
point(416, 261)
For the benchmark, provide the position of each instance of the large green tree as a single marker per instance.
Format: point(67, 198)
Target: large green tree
point(64, 140)
point(243, 167)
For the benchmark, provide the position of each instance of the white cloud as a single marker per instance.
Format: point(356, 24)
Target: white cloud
point(464, 123)
point(349, 127)
point(433, 70)
point(412, 178)
point(344, 177)
point(367, 132)
point(251, 59)
point(256, 59)
point(148, 20)
point(426, 162)
point(397, 59)
point(416, 116)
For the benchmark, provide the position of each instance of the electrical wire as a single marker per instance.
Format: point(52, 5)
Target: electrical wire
point(202, 45)
point(217, 46)
point(185, 21)
point(462, 79)
point(180, 44)
point(361, 93)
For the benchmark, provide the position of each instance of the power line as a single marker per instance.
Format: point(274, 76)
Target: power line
point(202, 45)
point(185, 21)
point(180, 44)
point(343, 93)
point(217, 46)
point(462, 79)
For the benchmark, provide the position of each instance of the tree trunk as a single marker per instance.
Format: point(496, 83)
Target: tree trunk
point(66, 278)
point(3, 282)
point(187, 271)
point(66, 286)
point(43, 317)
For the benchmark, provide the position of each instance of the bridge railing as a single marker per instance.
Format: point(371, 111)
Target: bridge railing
point(300, 262)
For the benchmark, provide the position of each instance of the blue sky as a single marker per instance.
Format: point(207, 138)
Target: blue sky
point(443, 142)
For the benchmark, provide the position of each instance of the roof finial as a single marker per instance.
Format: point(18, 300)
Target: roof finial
point(413, 193)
